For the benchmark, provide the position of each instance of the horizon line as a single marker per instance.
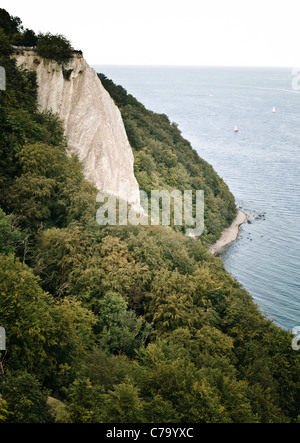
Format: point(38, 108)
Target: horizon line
point(193, 66)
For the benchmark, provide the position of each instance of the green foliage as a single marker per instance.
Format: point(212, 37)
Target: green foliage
point(25, 314)
point(120, 329)
point(123, 405)
point(29, 38)
point(9, 237)
point(54, 47)
point(166, 370)
point(5, 47)
point(59, 411)
point(41, 192)
point(83, 402)
point(104, 369)
point(41, 334)
point(26, 400)
point(3, 411)
point(10, 25)
point(13, 29)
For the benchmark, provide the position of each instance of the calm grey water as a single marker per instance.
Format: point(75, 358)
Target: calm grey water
point(260, 163)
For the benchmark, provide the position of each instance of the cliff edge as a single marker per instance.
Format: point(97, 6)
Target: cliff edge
point(93, 124)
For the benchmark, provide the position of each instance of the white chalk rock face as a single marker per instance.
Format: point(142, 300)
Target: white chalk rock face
point(93, 124)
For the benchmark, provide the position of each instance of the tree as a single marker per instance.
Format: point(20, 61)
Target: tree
point(104, 369)
point(41, 335)
point(166, 370)
point(9, 237)
point(170, 302)
point(5, 47)
point(84, 402)
point(26, 400)
point(10, 25)
point(29, 38)
point(160, 410)
point(54, 47)
point(120, 329)
point(41, 192)
point(25, 314)
point(3, 411)
point(123, 405)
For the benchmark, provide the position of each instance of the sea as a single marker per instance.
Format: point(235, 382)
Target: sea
point(260, 163)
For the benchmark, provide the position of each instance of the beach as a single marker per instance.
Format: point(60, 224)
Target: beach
point(229, 235)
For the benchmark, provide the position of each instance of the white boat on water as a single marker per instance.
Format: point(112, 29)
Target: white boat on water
point(274, 110)
point(236, 129)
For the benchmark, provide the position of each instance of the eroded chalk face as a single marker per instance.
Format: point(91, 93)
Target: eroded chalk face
point(2, 79)
point(2, 339)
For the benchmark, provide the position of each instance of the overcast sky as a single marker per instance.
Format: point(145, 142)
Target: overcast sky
point(171, 32)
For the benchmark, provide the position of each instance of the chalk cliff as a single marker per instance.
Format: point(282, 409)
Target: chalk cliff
point(93, 124)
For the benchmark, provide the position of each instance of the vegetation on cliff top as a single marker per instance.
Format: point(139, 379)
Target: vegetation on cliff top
point(52, 47)
point(121, 324)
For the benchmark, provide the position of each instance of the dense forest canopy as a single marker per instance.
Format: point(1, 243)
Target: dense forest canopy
point(122, 324)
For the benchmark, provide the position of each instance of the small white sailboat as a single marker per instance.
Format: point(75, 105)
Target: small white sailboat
point(236, 129)
point(274, 110)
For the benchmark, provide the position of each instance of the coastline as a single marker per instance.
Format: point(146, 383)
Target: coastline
point(229, 235)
